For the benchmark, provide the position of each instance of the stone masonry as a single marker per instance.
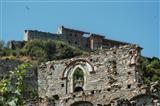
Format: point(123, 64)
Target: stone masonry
point(110, 77)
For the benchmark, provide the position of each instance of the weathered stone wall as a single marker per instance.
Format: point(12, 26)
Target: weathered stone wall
point(34, 35)
point(111, 77)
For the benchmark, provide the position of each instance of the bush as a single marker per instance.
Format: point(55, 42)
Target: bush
point(155, 78)
point(49, 50)
point(12, 88)
point(44, 50)
point(6, 52)
point(151, 69)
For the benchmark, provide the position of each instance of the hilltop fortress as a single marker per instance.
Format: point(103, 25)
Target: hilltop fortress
point(85, 40)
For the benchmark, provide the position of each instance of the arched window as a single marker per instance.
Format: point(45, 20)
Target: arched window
point(78, 80)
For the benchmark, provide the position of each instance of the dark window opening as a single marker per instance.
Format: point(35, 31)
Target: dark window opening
point(74, 96)
point(66, 100)
point(78, 89)
point(129, 86)
point(99, 105)
point(129, 73)
point(130, 52)
point(114, 52)
point(62, 85)
point(107, 105)
point(114, 66)
point(92, 92)
point(75, 42)
point(109, 89)
point(56, 97)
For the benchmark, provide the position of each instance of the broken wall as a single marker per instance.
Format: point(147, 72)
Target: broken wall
point(108, 74)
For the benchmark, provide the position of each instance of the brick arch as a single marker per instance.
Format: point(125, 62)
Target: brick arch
point(74, 63)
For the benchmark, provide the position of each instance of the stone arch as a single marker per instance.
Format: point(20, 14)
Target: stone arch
point(85, 73)
point(78, 80)
point(67, 74)
point(82, 103)
point(74, 63)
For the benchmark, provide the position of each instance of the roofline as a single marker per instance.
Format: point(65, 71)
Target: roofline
point(74, 30)
point(116, 41)
point(39, 31)
point(97, 35)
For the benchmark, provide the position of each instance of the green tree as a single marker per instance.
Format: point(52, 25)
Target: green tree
point(151, 69)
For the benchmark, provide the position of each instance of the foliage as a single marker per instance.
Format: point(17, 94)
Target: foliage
point(49, 50)
point(151, 69)
point(6, 52)
point(1, 45)
point(12, 88)
point(65, 51)
point(78, 74)
point(43, 50)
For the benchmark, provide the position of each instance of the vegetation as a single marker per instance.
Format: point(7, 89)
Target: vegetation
point(151, 69)
point(78, 74)
point(1, 45)
point(12, 88)
point(41, 50)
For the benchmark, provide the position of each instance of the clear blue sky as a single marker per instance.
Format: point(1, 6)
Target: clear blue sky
point(132, 21)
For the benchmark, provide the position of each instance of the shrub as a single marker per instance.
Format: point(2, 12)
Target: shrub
point(155, 78)
point(11, 88)
point(151, 69)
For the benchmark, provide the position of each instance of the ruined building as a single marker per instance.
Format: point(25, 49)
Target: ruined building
point(74, 37)
point(107, 77)
point(111, 77)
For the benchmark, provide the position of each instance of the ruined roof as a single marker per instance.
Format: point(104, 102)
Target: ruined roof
point(74, 30)
point(36, 31)
point(109, 40)
point(97, 35)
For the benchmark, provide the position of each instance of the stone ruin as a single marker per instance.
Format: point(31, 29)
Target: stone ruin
point(111, 77)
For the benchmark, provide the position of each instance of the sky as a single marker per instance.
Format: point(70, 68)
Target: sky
point(133, 21)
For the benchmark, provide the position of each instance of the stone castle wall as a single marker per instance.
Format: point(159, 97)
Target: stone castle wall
point(81, 39)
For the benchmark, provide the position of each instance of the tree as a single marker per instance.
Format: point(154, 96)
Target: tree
point(151, 69)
